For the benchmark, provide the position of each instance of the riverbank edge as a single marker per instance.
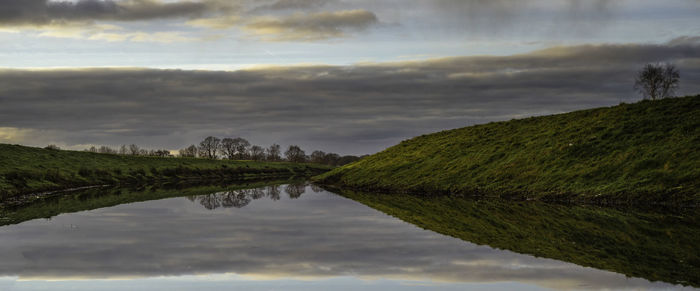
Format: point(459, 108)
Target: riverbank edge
point(192, 176)
point(643, 201)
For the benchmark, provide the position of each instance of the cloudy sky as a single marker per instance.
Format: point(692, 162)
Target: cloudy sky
point(349, 76)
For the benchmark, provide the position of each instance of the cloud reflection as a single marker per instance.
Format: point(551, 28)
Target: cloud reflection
point(317, 235)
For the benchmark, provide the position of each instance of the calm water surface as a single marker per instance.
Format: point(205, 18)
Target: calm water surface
point(269, 238)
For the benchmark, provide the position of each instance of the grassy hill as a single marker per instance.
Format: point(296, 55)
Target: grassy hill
point(27, 169)
point(647, 152)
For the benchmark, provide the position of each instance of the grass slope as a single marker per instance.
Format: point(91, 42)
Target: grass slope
point(630, 153)
point(27, 169)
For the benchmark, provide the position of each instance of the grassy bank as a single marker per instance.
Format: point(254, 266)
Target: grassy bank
point(647, 152)
point(655, 246)
point(27, 169)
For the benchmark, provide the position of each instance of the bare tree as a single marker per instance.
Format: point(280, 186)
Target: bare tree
point(234, 148)
point(123, 150)
point(163, 153)
point(228, 148)
point(134, 150)
point(318, 157)
point(295, 154)
point(52, 147)
point(273, 153)
point(189, 152)
point(257, 153)
point(332, 159)
point(241, 148)
point(106, 150)
point(656, 81)
point(209, 146)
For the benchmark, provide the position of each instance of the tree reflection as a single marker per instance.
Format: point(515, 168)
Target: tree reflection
point(316, 188)
point(237, 199)
point(210, 201)
point(257, 193)
point(295, 190)
point(243, 197)
point(273, 192)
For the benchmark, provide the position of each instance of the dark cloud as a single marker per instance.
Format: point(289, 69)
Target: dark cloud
point(41, 12)
point(348, 109)
point(315, 236)
point(685, 40)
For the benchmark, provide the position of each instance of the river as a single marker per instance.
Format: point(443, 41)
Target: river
point(258, 237)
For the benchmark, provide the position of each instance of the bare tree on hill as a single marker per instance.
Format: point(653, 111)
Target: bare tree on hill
point(657, 81)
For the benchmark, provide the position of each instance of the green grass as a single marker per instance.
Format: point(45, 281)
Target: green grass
point(27, 169)
point(655, 246)
point(647, 152)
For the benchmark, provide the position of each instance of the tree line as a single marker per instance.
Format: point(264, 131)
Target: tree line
point(233, 148)
point(132, 150)
point(240, 149)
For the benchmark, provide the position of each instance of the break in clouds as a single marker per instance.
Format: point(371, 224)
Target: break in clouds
point(354, 109)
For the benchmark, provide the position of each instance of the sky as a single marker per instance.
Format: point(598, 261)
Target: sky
point(345, 76)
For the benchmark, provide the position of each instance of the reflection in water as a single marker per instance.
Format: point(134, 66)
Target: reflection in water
point(305, 234)
point(294, 191)
point(242, 197)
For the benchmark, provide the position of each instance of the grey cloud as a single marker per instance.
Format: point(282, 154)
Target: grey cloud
point(291, 5)
point(486, 18)
point(41, 12)
point(313, 26)
point(312, 20)
point(347, 109)
point(685, 40)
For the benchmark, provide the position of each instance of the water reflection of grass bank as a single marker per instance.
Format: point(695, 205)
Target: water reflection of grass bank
point(655, 246)
point(95, 198)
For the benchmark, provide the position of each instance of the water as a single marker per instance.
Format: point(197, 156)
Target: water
point(287, 237)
